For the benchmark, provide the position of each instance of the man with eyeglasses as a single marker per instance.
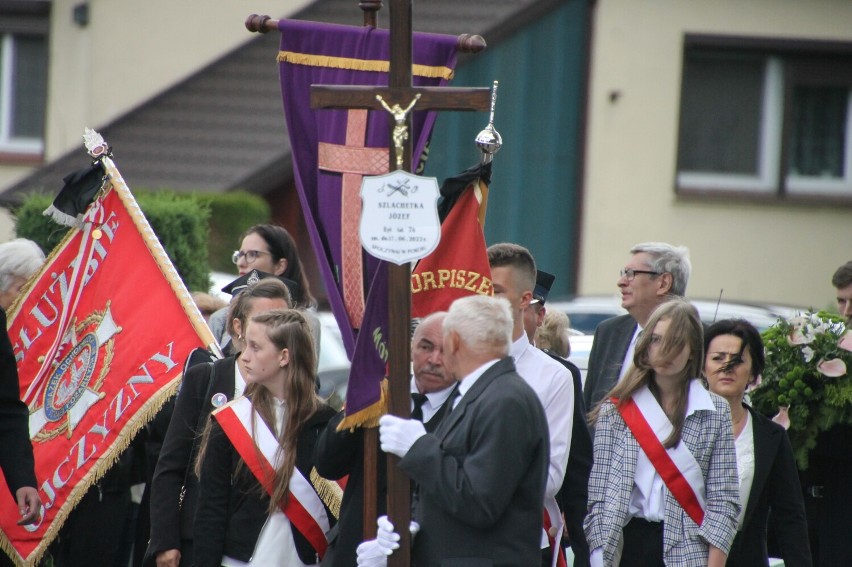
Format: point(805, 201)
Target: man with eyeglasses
point(655, 273)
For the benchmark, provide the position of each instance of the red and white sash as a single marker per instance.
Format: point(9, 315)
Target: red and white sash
point(676, 466)
point(304, 507)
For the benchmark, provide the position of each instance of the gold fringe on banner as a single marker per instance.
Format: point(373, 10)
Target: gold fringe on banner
point(369, 416)
point(105, 462)
point(431, 72)
point(329, 492)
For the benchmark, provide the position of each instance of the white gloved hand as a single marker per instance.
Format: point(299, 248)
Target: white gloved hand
point(397, 435)
point(370, 554)
point(387, 538)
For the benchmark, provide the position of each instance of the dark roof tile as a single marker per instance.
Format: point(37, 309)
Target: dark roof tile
point(223, 128)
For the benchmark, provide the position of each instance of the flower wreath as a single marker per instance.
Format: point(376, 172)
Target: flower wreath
point(807, 376)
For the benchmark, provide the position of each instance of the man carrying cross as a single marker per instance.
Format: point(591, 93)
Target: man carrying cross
point(481, 475)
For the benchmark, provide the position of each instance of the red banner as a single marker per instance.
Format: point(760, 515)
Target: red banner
point(459, 266)
point(100, 338)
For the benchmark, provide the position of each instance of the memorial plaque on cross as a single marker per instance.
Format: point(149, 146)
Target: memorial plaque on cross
point(399, 92)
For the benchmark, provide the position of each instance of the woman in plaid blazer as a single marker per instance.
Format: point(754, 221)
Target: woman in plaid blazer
point(633, 519)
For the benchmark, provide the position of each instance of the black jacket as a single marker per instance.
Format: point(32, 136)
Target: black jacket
point(573, 497)
point(16, 456)
point(341, 453)
point(775, 487)
point(171, 520)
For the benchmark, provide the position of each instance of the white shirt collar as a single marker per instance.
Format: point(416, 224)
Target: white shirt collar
point(519, 347)
point(239, 381)
point(436, 399)
point(468, 381)
point(699, 398)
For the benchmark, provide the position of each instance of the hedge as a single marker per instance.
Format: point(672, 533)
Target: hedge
point(198, 231)
point(179, 221)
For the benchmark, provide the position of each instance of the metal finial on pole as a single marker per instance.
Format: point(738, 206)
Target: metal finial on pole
point(489, 140)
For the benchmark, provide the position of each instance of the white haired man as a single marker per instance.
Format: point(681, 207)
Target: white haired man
point(481, 475)
point(19, 259)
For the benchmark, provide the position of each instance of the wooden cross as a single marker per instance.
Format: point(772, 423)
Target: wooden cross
point(399, 91)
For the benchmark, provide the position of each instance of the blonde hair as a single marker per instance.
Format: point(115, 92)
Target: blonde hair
point(684, 330)
point(207, 304)
point(553, 333)
point(286, 329)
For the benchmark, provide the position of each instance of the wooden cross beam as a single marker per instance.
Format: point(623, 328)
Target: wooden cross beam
point(399, 91)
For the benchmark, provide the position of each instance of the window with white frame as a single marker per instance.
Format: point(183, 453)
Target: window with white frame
point(23, 77)
point(765, 120)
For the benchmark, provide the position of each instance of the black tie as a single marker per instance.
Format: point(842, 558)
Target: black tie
point(419, 400)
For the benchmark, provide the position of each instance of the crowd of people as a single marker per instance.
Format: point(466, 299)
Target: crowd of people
point(657, 459)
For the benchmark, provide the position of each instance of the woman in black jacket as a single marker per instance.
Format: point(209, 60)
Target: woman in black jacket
point(767, 471)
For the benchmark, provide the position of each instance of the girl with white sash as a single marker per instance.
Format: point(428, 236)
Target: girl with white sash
point(663, 486)
point(258, 503)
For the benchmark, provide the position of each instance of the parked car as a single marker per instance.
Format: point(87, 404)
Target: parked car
point(587, 312)
point(333, 362)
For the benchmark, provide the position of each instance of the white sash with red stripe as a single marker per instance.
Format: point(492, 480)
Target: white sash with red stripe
point(304, 507)
point(676, 466)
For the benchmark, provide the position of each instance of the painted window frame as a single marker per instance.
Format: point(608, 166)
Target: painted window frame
point(18, 20)
point(788, 63)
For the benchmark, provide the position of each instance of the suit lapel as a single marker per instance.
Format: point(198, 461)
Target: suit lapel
point(439, 415)
point(227, 380)
point(622, 343)
point(455, 415)
point(765, 445)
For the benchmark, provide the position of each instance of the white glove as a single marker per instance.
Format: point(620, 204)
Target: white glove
point(397, 435)
point(387, 539)
point(370, 554)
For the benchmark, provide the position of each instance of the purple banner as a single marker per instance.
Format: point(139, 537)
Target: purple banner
point(332, 149)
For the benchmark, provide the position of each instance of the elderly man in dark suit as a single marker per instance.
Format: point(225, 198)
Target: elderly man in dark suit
point(655, 273)
point(341, 453)
point(16, 455)
point(482, 474)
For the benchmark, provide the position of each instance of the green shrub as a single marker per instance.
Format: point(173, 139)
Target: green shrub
point(179, 221)
point(230, 215)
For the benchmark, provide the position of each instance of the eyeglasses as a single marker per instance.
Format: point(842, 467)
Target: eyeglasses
point(250, 255)
point(630, 273)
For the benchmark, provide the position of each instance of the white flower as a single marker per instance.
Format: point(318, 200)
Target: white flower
point(808, 353)
point(801, 336)
point(782, 418)
point(832, 368)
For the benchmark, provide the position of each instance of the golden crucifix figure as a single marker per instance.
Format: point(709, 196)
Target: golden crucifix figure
point(400, 129)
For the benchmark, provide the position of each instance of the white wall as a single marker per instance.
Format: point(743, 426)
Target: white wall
point(761, 252)
point(128, 53)
point(131, 51)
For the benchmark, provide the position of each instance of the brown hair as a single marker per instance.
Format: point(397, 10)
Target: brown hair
point(684, 330)
point(286, 329)
point(516, 257)
point(282, 245)
point(267, 288)
point(842, 276)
